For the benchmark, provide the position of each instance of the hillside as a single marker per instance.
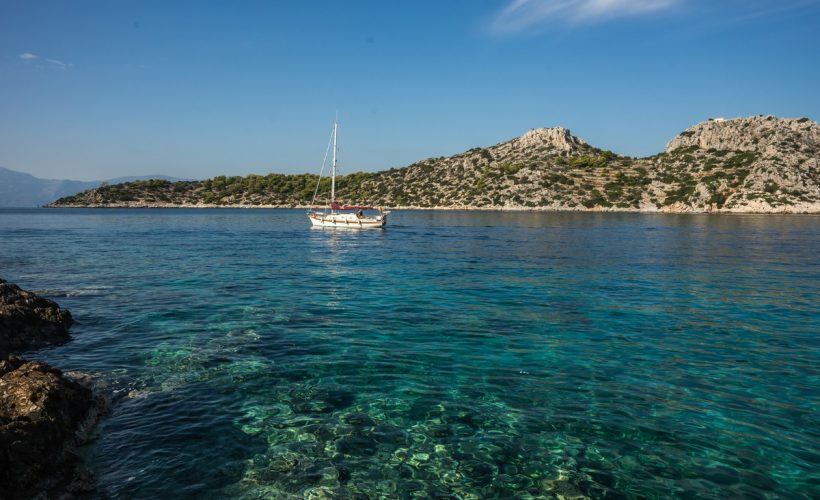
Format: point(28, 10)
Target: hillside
point(19, 189)
point(759, 164)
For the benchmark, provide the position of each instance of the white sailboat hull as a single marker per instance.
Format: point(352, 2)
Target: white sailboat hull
point(351, 221)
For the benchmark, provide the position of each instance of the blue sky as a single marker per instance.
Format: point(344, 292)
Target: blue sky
point(93, 90)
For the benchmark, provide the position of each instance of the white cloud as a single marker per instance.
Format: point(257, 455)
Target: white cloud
point(521, 15)
point(56, 63)
point(43, 62)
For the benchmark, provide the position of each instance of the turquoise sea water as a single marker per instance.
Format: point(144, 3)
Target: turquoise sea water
point(454, 354)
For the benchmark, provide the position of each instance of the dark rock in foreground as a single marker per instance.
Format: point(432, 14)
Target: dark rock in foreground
point(29, 321)
point(44, 415)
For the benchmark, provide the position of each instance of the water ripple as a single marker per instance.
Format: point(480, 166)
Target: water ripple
point(454, 354)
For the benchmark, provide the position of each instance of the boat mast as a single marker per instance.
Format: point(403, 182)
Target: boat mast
point(333, 168)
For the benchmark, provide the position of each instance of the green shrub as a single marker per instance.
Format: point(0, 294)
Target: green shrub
point(596, 199)
point(718, 199)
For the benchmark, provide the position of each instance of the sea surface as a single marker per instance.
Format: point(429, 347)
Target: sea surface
point(453, 354)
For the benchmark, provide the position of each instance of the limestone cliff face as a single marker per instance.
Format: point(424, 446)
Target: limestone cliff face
point(765, 134)
point(786, 151)
point(556, 138)
point(760, 164)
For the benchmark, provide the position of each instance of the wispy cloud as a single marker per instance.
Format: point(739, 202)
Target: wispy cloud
point(521, 15)
point(37, 61)
point(56, 63)
point(771, 8)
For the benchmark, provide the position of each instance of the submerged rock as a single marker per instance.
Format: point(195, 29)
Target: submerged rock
point(359, 419)
point(44, 415)
point(29, 321)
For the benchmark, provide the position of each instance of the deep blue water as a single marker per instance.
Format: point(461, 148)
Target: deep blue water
point(454, 353)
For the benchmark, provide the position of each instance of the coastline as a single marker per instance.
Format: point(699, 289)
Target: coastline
point(801, 209)
point(753, 165)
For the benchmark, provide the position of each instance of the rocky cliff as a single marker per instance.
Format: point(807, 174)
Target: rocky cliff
point(764, 134)
point(760, 164)
point(784, 156)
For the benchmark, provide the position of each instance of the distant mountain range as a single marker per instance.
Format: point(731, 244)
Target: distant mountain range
point(760, 164)
point(19, 189)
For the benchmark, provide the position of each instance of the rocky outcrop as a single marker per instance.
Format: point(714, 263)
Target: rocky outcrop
point(764, 134)
point(29, 321)
point(557, 138)
point(779, 162)
point(44, 415)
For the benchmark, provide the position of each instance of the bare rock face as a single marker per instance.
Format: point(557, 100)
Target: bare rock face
point(43, 416)
point(763, 134)
point(29, 321)
point(557, 138)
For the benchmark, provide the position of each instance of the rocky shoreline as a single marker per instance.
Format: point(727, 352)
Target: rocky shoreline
point(804, 208)
point(45, 414)
point(28, 321)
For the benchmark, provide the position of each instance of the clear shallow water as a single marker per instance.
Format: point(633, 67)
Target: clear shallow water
point(464, 354)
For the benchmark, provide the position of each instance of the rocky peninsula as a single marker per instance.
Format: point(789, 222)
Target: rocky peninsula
point(760, 164)
point(44, 413)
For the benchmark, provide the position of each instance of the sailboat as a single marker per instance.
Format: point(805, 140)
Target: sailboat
point(338, 215)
